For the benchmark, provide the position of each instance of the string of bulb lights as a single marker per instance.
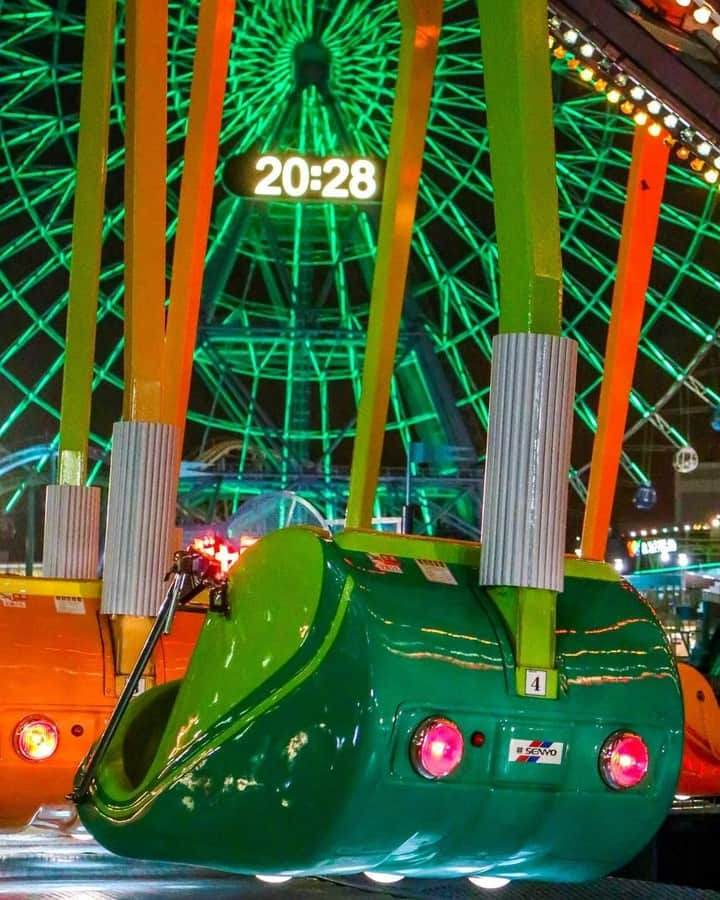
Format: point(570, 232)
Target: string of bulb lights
point(703, 14)
point(635, 100)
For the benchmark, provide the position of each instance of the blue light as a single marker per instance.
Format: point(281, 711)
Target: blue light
point(645, 497)
point(715, 419)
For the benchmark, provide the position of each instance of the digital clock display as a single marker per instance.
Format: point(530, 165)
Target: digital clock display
point(275, 176)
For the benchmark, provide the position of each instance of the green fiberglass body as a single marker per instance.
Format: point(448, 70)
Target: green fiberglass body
point(287, 746)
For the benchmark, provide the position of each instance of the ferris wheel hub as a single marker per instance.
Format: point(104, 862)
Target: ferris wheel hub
point(312, 65)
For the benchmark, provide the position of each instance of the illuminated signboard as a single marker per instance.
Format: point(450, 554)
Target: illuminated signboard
point(648, 548)
point(279, 176)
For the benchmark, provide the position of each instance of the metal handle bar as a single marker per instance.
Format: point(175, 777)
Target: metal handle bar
point(174, 595)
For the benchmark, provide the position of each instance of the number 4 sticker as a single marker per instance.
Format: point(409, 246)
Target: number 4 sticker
point(536, 682)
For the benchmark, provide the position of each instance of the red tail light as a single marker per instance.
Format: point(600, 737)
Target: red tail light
point(436, 748)
point(36, 738)
point(624, 760)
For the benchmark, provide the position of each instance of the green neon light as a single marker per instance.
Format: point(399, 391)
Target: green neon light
point(672, 569)
point(312, 266)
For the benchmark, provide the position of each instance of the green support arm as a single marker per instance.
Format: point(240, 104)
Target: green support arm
point(520, 127)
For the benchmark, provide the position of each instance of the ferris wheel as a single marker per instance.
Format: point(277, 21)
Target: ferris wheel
point(285, 297)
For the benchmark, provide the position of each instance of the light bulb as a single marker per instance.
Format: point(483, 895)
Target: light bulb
point(488, 882)
point(383, 877)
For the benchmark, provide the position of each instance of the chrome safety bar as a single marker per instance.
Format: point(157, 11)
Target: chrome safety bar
point(186, 584)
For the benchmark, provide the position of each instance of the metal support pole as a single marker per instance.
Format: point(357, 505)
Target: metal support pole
point(646, 183)
point(421, 20)
point(150, 523)
point(71, 536)
point(30, 531)
point(158, 361)
point(530, 360)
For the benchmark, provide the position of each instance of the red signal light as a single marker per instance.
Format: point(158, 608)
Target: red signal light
point(217, 550)
point(436, 747)
point(36, 738)
point(624, 760)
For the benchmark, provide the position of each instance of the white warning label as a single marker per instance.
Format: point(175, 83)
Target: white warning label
point(436, 571)
point(74, 606)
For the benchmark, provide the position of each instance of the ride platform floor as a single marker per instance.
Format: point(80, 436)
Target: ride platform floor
point(47, 864)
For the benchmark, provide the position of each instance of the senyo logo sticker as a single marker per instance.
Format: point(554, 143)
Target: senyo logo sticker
point(549, 752)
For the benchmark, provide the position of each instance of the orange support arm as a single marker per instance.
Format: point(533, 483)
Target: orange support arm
point(145, 195)
point(639, 228)
point(201, 148)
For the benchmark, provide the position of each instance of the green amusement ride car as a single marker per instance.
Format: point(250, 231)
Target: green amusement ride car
point(351, 706)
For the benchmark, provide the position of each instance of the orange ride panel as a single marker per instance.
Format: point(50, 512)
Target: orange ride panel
point(57, 666)
point(700, 773)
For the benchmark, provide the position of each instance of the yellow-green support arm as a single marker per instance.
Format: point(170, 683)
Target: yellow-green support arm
point(212, 52)
point(146, 33)
point(522, 158)
point(522, 161)
point(86, 241)
point(421, 21)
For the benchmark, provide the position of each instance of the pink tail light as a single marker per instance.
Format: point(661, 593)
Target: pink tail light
point(624, 760)
point(436, 748)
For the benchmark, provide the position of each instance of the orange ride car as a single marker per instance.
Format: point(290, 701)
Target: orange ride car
point(700, 773)
point(58, 685)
